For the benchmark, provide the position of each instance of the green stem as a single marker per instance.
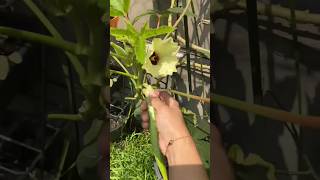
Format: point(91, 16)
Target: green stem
point(69, 117)
point(117, 55)
point(195, 47)
point(122, 66)
point(44, 39)
point(45, 21)
point(180, 17)
point(268, 112)
point(170, 15)
point(272, 113)
point(206, 100)
point(123, 74)
point(125, 69)
point(66, 146)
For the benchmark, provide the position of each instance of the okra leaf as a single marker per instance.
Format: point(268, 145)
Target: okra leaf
point(149, 12)
point(93, 131)
point(236, 154)
point(119, 50)
point(140, 49)
point(123, 35)
point(200, 137)
point(148, 33)
point(87, 161)
point(119, 7)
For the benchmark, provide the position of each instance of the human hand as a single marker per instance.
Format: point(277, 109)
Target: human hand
point(169, 119)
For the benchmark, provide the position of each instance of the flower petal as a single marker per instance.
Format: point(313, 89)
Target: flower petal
point(166, 51)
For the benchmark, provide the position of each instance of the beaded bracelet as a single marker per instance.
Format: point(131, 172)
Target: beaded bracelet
point(171, 141)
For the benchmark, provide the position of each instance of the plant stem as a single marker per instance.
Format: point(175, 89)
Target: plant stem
point(117, 55)
point(123, 74)
point(272, 113)
point(170, 15)
point(180, 17)
point(125, 69)
point(68, 117)
point(206, 100)
point(44, 39)
point(195, 47)
point(45, 21)
point(66, 145)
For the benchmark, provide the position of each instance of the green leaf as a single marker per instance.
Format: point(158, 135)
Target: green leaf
point(148, 33)
point(87, 162)
point(200, 135)
point(123, 35)
point(4, 67)
point(236, 154)
point(191, 117)
point(140, 49)
point(119, 7)
point(131, 28)
point(93, 132)
point(119, 50)
point(144, 28)
point(149, 12)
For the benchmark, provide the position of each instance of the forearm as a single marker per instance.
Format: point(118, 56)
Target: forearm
point(184, 161)
point(221, 168)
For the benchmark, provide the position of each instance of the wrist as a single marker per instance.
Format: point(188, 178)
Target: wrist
point(182, 152)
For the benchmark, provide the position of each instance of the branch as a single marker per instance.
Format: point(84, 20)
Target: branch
point(268, 112)
point(66, 145)
point(123, 74)
point(180, 17)
point(68, 117)
point(44, 39)
point(272, 113)
point(50, 27)
point(195, 47)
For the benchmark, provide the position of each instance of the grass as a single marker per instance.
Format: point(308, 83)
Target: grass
point(132, 158)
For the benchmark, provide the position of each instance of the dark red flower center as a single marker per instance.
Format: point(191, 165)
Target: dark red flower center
point(154, 58)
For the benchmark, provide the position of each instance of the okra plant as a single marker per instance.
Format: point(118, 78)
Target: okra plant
point(145, 55)
point(87, 56)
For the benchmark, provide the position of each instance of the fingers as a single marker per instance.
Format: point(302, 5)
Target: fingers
point(169, 100)
point(144, 115)
point(156, 101)
point(144, 106)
